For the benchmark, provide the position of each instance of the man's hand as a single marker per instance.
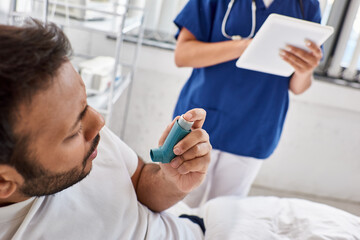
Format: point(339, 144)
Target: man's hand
point(304, 62)
point(159, 186)
point(188, 169)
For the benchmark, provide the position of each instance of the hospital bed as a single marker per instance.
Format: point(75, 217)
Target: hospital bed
point(271, 218)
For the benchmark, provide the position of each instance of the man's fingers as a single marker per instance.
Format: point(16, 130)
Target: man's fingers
point(196, 115)
point(196, 151)
point(189, 141)
point(194, 165)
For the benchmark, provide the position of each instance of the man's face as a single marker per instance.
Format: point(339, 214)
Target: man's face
point(63, 133)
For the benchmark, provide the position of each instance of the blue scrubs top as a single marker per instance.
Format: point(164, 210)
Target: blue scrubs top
point(245, 109)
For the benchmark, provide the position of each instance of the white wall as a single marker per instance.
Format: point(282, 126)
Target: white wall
point(4, 6)
point(319, 152)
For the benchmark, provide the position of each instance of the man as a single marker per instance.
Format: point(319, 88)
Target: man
point(58, 180)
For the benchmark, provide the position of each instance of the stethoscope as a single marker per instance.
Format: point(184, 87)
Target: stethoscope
point(238, 37)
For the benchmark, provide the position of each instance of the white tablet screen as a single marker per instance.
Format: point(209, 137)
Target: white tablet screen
point(277, 31)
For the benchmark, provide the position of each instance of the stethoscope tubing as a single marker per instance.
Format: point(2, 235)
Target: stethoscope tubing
point(253, 25)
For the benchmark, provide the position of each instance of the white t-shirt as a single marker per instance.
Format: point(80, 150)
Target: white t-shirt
point(102, 206)
point(12, 216)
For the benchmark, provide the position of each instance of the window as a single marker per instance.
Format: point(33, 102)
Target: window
point(159, 26)
point(342, 51)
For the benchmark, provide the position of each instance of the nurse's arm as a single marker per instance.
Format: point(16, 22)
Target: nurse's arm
point(190, 52)
point(304, 63)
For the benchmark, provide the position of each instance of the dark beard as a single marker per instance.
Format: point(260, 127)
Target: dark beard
point(46, 183)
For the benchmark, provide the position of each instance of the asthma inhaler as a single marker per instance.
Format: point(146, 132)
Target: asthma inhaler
point(165, 153)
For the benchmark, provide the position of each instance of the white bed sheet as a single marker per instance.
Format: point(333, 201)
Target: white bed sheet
point(269, 218)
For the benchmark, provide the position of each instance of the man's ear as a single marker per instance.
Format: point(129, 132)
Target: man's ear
point(10, 180)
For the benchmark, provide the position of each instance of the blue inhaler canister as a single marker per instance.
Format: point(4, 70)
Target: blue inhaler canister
point(165, 153)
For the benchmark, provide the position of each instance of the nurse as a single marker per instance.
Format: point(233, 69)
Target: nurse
point(245, 109)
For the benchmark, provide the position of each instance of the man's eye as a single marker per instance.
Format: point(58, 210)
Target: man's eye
point(76, 134)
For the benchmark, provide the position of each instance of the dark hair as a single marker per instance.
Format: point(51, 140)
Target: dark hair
point(30, 56)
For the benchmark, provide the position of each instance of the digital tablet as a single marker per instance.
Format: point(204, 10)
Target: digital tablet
point(262, 54)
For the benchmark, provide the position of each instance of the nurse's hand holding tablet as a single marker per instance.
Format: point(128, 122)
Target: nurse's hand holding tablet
point(304, 62)
point(284, 45)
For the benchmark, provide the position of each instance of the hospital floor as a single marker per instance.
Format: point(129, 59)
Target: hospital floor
point(155, 89)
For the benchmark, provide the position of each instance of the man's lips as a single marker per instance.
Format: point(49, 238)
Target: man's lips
point(93, 155)
point(94, 148)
